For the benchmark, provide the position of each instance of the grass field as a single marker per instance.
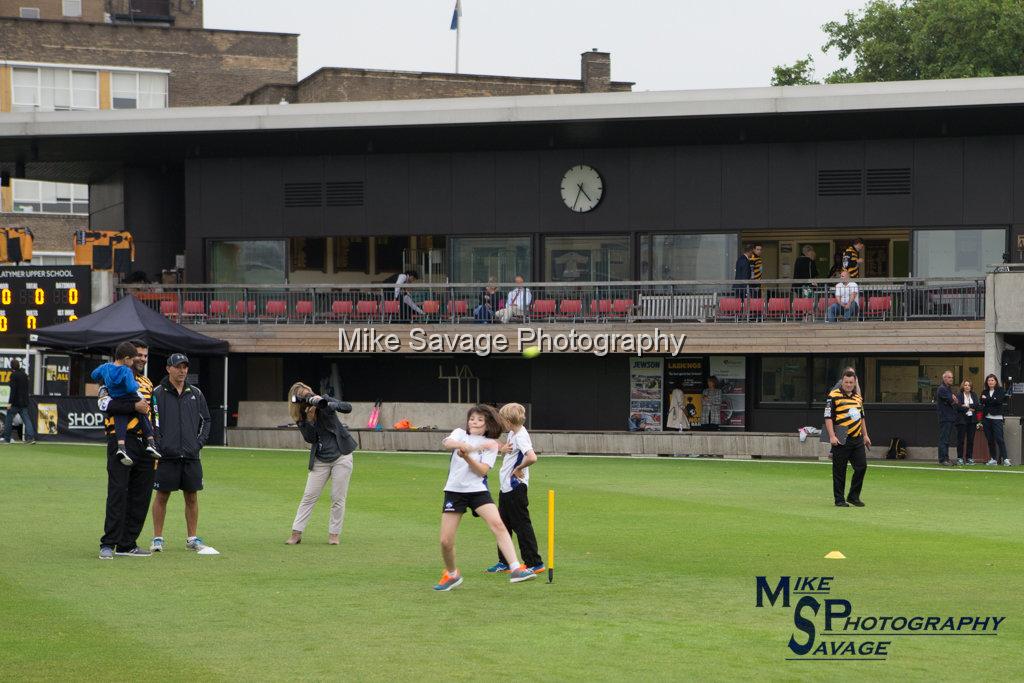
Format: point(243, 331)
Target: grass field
point(655, 579)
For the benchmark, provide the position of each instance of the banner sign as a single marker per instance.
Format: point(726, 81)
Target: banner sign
point(68, 418)
point(5, 372)
point(684, 382)
point(645, 394)
point(731, 372)
point(57, 375)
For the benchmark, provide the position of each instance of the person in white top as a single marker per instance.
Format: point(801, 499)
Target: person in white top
point(514, 478)
point(408, 277)
point(474, 452)
point(846, 300)
point(517, 302)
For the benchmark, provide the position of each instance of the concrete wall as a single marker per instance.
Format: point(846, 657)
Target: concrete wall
point(1004, 312)
point(687, 444)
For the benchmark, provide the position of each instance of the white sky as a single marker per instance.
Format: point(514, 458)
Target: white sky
point(659, 44)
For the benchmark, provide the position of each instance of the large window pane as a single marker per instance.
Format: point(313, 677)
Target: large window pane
point(784, 379)
point(248, 262)
point(827, 370)
point(477, 259)
point(914, 380)
point(352, 254)
point(587, 259)
point(687, 257)
point(957, 253)
point(34, 196)
point(26, 89)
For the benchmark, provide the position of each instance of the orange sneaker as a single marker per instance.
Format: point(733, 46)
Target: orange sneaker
point(448, 581)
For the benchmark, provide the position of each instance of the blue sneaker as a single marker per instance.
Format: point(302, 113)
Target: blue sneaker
point(157, 545)
point(500, 568)
point(106, 552)
point(537, 568)
point(195, 543)
point(521, 574)
point(448, 581)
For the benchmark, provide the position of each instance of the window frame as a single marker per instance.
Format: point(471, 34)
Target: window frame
point(137, 90)
point(67, 77)
point(40, 200)
point(64, 8)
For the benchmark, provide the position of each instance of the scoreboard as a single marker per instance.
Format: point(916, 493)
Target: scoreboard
point(38, 296)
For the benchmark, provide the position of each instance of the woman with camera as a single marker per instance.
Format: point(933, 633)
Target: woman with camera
point(330, 457)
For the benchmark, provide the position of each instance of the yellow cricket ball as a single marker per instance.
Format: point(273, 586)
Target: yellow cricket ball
point(531, 352)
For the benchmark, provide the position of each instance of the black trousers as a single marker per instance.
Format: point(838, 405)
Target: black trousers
point(945, 438)
point(128, 492)
point(965, 440)
point(851, 452)
point(996, 442)
point(515, 513)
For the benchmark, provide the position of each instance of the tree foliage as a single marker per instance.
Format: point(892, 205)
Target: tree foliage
point(920, 39)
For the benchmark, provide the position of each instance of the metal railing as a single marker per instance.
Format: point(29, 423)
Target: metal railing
point(668, 301)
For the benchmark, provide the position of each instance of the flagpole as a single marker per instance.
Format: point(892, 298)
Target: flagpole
point(458, 34)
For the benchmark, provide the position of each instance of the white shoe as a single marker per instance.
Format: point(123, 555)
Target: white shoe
point(992, 462)
point(959, 461)
point(1008, 463)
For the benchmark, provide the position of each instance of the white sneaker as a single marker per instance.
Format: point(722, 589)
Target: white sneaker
point(1008, 463)
point(992, 462)
point(959, 461)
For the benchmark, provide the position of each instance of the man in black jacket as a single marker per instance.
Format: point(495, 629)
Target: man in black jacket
point(948, 410)
point(18, 404)
point(181, 427)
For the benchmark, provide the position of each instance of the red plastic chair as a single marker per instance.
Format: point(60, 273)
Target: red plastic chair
point(621, 307)
point(544, 307)
point(220, 308)
point(341, 309)
point(878, 306)
point(276, 309)
point(754, 308)
point(803, 306)
point(391, 308)
point(366, 309)
point(245, 308)
point(458, 308)
point(601, 308)
point(779, 307)
point(570, 308)
point(730, 307)
point(169, 308)
point(304, 309)
point(823, 305)
point(196, 309)
point(431, 309)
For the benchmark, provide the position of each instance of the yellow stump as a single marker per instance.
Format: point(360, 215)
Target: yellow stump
point(551, 535)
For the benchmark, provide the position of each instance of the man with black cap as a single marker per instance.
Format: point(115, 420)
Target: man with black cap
point(181, 425)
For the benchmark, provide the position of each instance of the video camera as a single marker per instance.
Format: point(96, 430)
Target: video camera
point(323, 402)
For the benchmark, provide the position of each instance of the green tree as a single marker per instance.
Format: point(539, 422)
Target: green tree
point(801, 72)
point(922, 39)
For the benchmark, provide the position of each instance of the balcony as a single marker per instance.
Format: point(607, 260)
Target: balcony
point(893, 301)
point(141, 11)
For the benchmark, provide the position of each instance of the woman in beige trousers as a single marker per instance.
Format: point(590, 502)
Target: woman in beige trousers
point(330, 458)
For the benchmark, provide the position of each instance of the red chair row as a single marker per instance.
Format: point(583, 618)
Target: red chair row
point(797, 307)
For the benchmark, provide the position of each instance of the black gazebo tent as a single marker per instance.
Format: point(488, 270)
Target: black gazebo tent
point(129, 318)
point(126, 318)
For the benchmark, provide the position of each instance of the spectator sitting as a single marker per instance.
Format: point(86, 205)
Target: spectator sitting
point(845, 300)
point(518, 301)
point(484, 311)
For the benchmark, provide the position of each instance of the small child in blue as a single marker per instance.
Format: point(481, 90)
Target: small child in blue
point(120, 382)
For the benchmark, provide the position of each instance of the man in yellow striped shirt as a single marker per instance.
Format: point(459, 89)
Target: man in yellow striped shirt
point(848, 434)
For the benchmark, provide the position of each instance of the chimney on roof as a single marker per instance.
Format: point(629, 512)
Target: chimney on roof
point(596, 71)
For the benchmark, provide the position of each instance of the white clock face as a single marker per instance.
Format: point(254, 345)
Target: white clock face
point(582, 188)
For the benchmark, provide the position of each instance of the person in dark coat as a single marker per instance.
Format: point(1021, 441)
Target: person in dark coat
point(19, 403)
point(948, 410)
point(744, 270)
point(993, 402)
point(968, 423)
point(805, 268)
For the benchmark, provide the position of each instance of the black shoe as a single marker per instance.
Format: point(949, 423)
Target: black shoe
point(842, 504)
point(945, 463)
point(856, 503)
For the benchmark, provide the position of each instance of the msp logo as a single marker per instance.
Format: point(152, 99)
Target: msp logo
point(827, 629)
point(448, 505)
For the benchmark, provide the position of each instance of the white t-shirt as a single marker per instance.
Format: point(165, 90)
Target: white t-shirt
point(461, 479)
point(521, 444)
point(846, 292)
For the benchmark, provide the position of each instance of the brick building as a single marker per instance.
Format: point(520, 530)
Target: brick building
point(117, 54)
point(335, 84)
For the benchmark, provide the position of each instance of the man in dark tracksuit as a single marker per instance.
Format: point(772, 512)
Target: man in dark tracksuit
point(949, 414)
point(19, 405)
point(181, 427)
point(130, 488)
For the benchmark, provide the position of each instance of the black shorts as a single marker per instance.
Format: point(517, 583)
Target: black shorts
point(459, 502)
point(178, 474)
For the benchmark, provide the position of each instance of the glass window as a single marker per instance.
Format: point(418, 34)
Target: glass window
point(351, 255)
point(35, 196)
point(827, 370)
point(477, 259)
point(308, 253)
point(389, 254)
point(72, 8)
point(248, 262)
point(784, 379)
point(46, 89)
point(962, 253)
point(130, 90)
point(914, 380)
point(587, 259)
point(687, 257)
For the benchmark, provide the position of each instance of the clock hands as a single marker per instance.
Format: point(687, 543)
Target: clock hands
point(585, 193)
point(577, 201)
